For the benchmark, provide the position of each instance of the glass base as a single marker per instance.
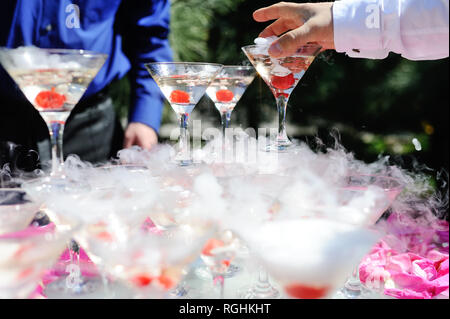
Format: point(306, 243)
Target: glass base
point(179, 292)
point(281, 145)
point(259, 291)
point(352, 291)
point(90, 288)
point(362, 293)
point(182, 159)
point(345, 293)
point(205, 274)
point(187, 162)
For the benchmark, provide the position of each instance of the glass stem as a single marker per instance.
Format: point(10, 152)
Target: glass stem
point(225, 117)
point(71, 253)
point(281, 106)
point(105, 282)
point(74, 277)
point(56, 130)
point(221, 281)
point(263, 279)
point(74, 251)
point(183, 142)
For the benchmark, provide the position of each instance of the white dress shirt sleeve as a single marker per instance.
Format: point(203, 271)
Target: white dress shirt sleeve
point(416, 29)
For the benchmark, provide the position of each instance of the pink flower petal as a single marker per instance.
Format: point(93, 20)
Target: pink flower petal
point(425, 269)
point(443, 268)
point(407, 294)
point(408, 281)
point(441, 284)
point(399, 263)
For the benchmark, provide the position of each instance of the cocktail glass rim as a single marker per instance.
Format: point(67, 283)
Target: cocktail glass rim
point(400, 186)
point(307, 45)
point(60, 51)
point(183, 63)
point(229, 66)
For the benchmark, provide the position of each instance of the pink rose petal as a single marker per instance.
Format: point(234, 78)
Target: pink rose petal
point(441, 284)
point(407, 294)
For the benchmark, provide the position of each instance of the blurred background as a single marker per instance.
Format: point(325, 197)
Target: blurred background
point(377, 107)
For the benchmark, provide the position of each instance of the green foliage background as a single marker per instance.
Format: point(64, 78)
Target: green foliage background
point(377, 106)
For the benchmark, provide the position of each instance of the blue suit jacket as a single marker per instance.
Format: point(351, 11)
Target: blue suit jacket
point(131, 32)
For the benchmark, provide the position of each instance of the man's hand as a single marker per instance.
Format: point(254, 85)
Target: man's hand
point(141, 135)
point(303, 23)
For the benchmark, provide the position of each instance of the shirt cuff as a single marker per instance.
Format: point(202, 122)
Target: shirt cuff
point(148, 110)
point(358, 29)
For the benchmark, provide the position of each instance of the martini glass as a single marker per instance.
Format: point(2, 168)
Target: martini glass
point(152, 270)
point(227, 89)
point(217, 254)
point(281, 75)
point(354, 187)
point(269, 188)
point(309, 257)
point(183, 84)
point(53, 81)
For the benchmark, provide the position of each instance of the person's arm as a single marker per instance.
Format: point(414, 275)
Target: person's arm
point(145, 39)
point(416, 29)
